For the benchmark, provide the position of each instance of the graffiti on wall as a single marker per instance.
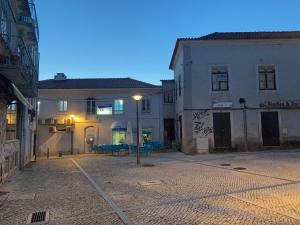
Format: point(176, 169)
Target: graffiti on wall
point(200, 120)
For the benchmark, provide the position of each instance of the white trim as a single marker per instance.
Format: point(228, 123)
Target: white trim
point(210, 78)
point(276, 78)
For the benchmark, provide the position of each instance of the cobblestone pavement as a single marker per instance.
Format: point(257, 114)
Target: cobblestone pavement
point(178, 189)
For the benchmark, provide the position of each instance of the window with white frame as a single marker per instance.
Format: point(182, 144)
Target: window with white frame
point(62, 106)
point(267, 77)
point(219, 78)
point(38, 107)
point(119, 106)
point(91, 106)
point(146, 105)
point(179, 85)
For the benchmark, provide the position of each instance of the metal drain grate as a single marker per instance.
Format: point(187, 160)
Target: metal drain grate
point(225, 164)
point(239, 168)
point(38, 217)
point(148, 165)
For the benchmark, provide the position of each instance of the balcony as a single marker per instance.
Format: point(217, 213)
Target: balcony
point(27, 17)
point(19, 64)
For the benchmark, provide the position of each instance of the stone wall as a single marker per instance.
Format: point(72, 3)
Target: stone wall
point(2, 129)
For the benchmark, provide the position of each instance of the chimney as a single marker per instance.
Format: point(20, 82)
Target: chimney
point(60, 76)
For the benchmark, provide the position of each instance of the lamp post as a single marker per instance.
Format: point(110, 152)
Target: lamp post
point(137, 98)
point(72, 133)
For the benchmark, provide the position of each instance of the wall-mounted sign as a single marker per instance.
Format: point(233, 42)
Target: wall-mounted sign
point(104, 109)
point(222, 105)
point(281, 104)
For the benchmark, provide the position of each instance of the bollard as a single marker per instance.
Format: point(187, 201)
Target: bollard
point(47, 153)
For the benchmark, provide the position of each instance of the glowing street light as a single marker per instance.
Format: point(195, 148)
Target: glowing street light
point(137, 98)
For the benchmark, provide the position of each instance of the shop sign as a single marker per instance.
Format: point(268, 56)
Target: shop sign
point(281, 104)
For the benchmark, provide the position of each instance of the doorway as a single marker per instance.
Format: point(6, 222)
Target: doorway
point(270, 128)
point(169, 131)
point(222, 129)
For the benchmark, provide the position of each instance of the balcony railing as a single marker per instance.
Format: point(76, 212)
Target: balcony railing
point(17, 53)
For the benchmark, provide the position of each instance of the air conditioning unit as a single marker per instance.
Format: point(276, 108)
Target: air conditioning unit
point(50, 121)
point(52, 129)
point(68, 121)
point(41, 122)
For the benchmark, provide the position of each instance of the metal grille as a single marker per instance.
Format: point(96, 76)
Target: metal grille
point(239, 168)
point(225, 164)
point(37, 217)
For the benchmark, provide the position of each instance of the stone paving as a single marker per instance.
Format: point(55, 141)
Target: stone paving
point(178, 189)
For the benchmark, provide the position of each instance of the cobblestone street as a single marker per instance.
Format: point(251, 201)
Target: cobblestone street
point(235, 188)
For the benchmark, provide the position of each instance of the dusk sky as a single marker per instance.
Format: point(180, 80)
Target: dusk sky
point(135, 38)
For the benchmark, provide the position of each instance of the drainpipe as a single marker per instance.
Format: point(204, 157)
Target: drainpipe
point(243, 102)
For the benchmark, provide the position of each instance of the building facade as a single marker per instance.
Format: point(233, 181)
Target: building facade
point(237, 91)
point(71, 112)
point(19, 61)
point(169, 115)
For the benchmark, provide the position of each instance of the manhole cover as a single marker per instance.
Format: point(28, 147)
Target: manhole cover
point(239, 168)
point(225, 164)
point(38, 217)
point(148, 165)
point(150, 182)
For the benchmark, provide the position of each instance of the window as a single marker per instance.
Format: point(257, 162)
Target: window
point(38, 107)
point(119, 106)
point(118, 137)
point(91, 106)
point(219, 75)
point(168, 97)
point(179, 85)
point(175, 90)
point(104, 109)
point(11, 121)
point(147, 134)
point(267, 78)
point(63, 106)
point(146, 107)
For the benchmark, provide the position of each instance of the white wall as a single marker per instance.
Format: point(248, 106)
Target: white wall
point(77, 106)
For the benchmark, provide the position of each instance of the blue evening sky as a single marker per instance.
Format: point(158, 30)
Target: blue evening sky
point(135, 38)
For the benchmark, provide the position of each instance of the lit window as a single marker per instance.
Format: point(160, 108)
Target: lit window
point(11, 121)
point(147, 134)
point(104, 109)
point(91, 106)
point(118, 137)
point(146, 106)
point(219, 75)
point(63, 106)
point(267, 78)
point(119, 106)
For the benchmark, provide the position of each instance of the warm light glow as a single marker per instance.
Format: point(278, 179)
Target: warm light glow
point(137, 97)
point(72, 116)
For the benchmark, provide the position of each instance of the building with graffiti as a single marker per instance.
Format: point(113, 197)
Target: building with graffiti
point(237, 91)
point(74, 114)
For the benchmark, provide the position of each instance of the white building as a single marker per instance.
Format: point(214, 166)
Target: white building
point(237, 90)
point(73, 110)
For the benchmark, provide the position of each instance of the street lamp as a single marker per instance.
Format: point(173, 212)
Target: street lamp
point(137, 98)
